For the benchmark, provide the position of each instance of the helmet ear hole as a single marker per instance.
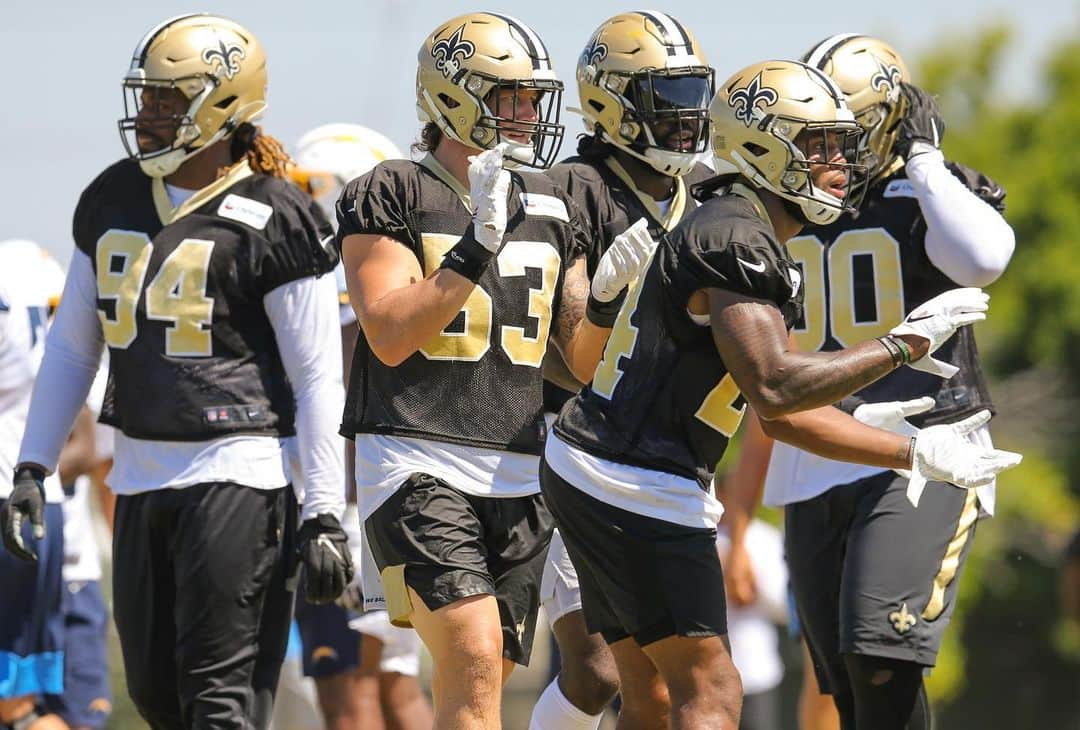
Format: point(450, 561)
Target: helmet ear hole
point(597, 106)
point(755, 149)
point(225, 103)
point(448, 101)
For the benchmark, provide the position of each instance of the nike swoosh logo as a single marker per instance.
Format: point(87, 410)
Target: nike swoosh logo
point(758, 267)
point(919, 318)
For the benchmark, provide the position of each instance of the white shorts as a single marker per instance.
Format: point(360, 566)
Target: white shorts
point(559, 590)
point(401, 647)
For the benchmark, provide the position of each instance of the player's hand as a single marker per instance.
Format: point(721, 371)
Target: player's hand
point(945, 454)
point(489, 185)
point(937, 320)
point(624, 260)
point(352, 598)
point(27, 499)
point(324, 550)
point(922, 128)
point(892, 416)
point(739, 576)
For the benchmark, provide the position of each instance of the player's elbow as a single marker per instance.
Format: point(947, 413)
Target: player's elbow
point(390, 352)
point(991, 263)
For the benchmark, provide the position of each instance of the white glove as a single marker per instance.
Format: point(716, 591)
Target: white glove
point(892, 416)
point(937, 320)
point(627, 256)
point(489, 185)
point(944, 454)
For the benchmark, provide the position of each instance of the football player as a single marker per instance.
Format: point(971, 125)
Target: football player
point(872, 602)
point(201, 267)
point(359, 681)
point(644, 87)
point(459, 272)
point(702, 333)
point(31, 608)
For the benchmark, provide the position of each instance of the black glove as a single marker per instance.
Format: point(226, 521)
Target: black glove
point(27, 500)
point(922, 127)
point(324, 550)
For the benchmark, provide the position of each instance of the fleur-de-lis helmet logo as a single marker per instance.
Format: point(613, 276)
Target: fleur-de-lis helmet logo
point(595, 52)
point(887, 79)
point(745, 100)
point(224, 59)
point(450, 52)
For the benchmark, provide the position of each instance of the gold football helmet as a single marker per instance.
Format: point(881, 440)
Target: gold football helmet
point(645, 87)
point(869, 72)
point(775, 120)
point(471, 56)
point(218, 66)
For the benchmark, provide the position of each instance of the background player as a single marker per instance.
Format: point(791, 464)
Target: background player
point(31, 608)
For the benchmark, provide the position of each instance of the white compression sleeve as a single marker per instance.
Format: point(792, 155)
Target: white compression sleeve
point(554, 712)
point(72, 354)
point(304, 314)
point(966, 238)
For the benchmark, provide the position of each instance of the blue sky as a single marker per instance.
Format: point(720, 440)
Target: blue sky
point(355, 62)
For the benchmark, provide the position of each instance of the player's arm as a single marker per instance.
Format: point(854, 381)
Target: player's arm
point(588, 309)
point(967, 238)
point(775, 379)
point(398, 308)
point(579, 339)
point(304, 316)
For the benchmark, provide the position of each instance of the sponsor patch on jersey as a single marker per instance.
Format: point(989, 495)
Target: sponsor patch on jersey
point(544, 205)
point(899, 189)
point(247, 211)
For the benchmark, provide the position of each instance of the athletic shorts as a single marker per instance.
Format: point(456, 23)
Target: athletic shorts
point(448, 545)
point(31, 613)
point(872, 574)
point(639, 576)
point(330, 647)
point(400, 647)
point(87, 700)
point(560, 592)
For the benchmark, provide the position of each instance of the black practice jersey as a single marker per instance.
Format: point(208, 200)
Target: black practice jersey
point(192, 354)
point(864, 273)
point(611, 203)
point(479, 381)
point(662, 398)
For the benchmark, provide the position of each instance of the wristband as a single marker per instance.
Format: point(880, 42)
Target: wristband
point(604, 314)
point(893, 349)
point(904, 349)
point(468, 258)
point(911, 453)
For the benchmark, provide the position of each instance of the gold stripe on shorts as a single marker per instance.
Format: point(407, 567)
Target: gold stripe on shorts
point(398, 603)
point(951, 562)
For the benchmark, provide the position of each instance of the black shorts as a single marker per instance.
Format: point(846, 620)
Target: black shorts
point(639, 576)
point(447, 545)
point(873, 575)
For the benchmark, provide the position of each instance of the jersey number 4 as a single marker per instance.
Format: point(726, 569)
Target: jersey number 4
point(865, 287)
point(468, 337)
point(717, 410)
point(176, 295)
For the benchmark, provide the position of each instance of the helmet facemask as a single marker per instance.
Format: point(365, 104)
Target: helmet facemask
point(822, 150)
point(545, 133)
point(168, 158)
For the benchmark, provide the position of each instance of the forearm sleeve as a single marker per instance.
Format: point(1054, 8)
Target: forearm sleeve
point(304, 315)
point(966, 238)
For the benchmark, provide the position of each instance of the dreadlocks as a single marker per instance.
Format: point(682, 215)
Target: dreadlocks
point(265, 154)
point(593, 147)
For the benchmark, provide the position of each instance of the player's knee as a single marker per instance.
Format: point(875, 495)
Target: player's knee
point(590, 680)
point(648, 707)
point(473, 668)
point(712, 680)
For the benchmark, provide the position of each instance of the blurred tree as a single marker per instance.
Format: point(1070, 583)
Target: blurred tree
point(1008, 660)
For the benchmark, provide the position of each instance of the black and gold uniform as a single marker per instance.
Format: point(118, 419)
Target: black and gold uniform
point(610, 203)
point(180, 295)
point(633, 454)
point(447, 441)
